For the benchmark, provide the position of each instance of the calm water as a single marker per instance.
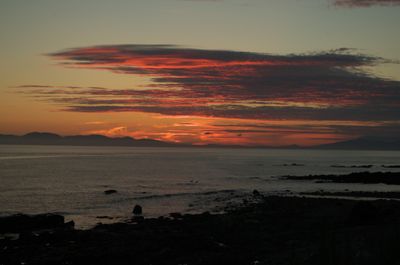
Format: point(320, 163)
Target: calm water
point(72, 180)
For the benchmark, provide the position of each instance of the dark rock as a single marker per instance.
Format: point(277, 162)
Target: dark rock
point(104, 217)
point(138, 218)
point(352, 166)
point(278, 230)
point(364, 212)
point(137, 210)
point(390, 178)
point(391, 166)
point(362, 166)
point(176, 215)
point(256, 193)
point(339, 166)
point(357, 194)
point(22, 222)
point(69, 225)
point(293, 165)
point(107, 192)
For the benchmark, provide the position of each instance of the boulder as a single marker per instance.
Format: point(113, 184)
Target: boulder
point(107, 192)
point(176, 215)
point(22, 222)
point(137, 210)
point(256, 193)
point(69, 225)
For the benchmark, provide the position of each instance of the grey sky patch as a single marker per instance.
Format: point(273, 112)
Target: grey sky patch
point(366, 3)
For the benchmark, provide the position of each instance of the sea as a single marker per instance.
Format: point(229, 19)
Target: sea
point(71, 180)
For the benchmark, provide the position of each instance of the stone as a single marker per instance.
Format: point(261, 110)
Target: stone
point(137, 210)
point(22, 222)
point(69, 225)
point(107, 192)
point(176, 215)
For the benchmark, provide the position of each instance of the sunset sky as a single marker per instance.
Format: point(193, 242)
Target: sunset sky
point(247, 72)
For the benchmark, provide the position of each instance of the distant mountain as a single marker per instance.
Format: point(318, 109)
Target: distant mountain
point(44, 138)
point(364, 143)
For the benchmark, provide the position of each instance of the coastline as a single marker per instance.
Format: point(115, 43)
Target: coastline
point(388, 178)
point(273, 230)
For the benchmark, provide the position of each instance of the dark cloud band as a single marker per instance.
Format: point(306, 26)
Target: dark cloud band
point(237, 84)
point(324, 87)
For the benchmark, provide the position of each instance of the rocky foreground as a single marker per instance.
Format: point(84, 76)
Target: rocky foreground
point(276, 230)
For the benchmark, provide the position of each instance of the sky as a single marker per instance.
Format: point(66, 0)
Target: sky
point(243, 72)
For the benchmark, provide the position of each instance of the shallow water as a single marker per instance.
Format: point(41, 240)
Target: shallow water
point(71, 180)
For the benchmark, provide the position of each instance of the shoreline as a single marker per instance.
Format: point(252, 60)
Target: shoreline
point(302, 228)
point(274, 230)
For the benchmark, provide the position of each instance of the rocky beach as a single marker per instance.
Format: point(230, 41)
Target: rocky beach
point(261, 230)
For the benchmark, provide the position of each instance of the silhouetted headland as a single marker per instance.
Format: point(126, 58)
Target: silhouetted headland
point(46, 138)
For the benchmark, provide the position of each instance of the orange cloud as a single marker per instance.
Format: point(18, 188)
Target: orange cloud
point(327, 89)
point(113, 132)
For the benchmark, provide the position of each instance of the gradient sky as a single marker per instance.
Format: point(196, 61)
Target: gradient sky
point(248, 72)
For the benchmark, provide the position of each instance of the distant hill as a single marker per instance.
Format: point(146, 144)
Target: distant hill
point(44, 138)
point(364, 143)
